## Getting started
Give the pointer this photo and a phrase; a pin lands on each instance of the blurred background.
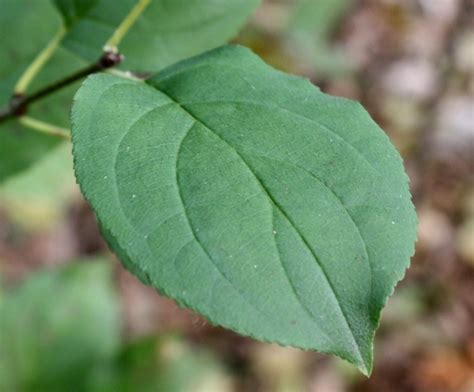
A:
(90, 325)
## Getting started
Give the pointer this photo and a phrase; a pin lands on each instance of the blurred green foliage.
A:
(311, 31)
(57, 326)
(60, 330)
(163, 363)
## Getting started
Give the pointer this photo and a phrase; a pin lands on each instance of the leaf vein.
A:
(193, 231)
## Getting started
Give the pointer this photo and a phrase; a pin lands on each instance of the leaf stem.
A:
(38, 63)
(125, 74)
(44, 127)
(125, 25)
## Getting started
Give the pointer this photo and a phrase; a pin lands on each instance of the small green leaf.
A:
(249, 196)
(166, 32)
(311, 36)
(57, 327)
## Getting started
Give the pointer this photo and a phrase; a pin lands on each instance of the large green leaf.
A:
(249, 196)
(166, 32)
(25, 28)
(57, 328)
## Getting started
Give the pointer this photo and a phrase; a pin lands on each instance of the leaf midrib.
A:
(193, 232)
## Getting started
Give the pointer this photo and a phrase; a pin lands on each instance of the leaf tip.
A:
(366, 365)
(365, 368)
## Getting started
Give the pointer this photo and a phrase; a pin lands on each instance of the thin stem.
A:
(38, 63)
(126, 24)
(93, 68)
(44, 127)
(19, 103)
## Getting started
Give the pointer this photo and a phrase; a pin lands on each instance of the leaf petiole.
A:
(124, 74)
(44, 127)
(125, 25)
(39, 62)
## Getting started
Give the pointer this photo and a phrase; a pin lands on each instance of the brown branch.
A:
(19, 104)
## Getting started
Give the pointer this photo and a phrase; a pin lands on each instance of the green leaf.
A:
(37, 21)
(319, 18)
(249, 196)
(58, 327)
(166, 32)
(311, 36)
(74, 10)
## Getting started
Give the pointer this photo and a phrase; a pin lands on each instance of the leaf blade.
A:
(252, 205)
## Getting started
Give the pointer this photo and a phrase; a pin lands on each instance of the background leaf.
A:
(57, 326)
(249, 196)
(311, 33)
(25, 28)
(167, 31)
